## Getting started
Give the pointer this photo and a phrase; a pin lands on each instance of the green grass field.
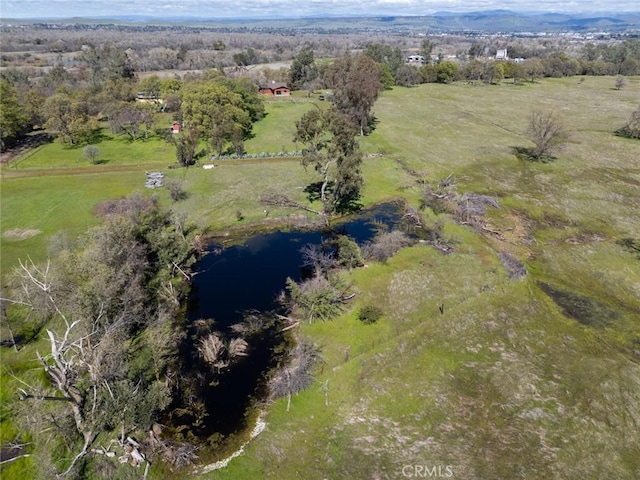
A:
(503, 384)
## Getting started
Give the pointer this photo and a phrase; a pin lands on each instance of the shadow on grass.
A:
(528, 155)
(96, 137)
(372, 124)
(584, 309)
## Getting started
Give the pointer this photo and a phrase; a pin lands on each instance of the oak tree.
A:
(221, 114)
(68, 118)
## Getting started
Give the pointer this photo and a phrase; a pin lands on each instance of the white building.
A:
(415, 60)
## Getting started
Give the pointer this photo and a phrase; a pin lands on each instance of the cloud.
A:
(291, 8)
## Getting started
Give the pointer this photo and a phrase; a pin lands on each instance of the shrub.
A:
(91, 153)
(386, 245)
(370, 314)
(349, 254)
(317, 298)
(632, 128)
(547, 133)
(176, 191)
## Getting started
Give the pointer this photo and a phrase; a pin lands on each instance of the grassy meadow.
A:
(531, 378)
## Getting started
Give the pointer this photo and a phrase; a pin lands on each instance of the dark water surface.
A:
(245, 277)
(249, 276)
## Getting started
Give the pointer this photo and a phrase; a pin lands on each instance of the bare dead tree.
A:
(297, 375)
(66, 356)
(318, 258)
(547, 133)
(280, 200)
(385, 245)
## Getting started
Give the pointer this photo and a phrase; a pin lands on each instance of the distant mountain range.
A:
(491, 21)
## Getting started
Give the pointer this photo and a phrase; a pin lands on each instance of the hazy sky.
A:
(292, 8)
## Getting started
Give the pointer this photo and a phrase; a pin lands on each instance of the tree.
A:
(348, 252)
(356, 84)
(33, 101)
(248, 57)
(533, 68)
(170, 86)
(493, 72)
(107, 62)
(297, 375)
(251, 100)
(407, 76)
(590, 52)
(99, 300)
(130, 118)
(186, 145)
(385, 54)
(447, 71)
(547, 133)
(91, 153)
(426, 49)
(330, 147)
(473, 71)
(476, 49)
(516, 71)
(152, 86)
(220, 114)
(68, 118)
(386, 78)
(317, 298)
(13, 121)
(303, 69)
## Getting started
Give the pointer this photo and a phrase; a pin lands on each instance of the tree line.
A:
(103, 80)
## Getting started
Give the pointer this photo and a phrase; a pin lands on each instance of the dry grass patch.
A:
(20, 233)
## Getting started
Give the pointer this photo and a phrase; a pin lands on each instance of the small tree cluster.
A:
(109, 304)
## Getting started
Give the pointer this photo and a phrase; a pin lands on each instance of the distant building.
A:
(414, 60)
(175, 128)
(501, 54)
(275, 89)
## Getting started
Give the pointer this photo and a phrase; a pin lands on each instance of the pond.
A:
(233, 280)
